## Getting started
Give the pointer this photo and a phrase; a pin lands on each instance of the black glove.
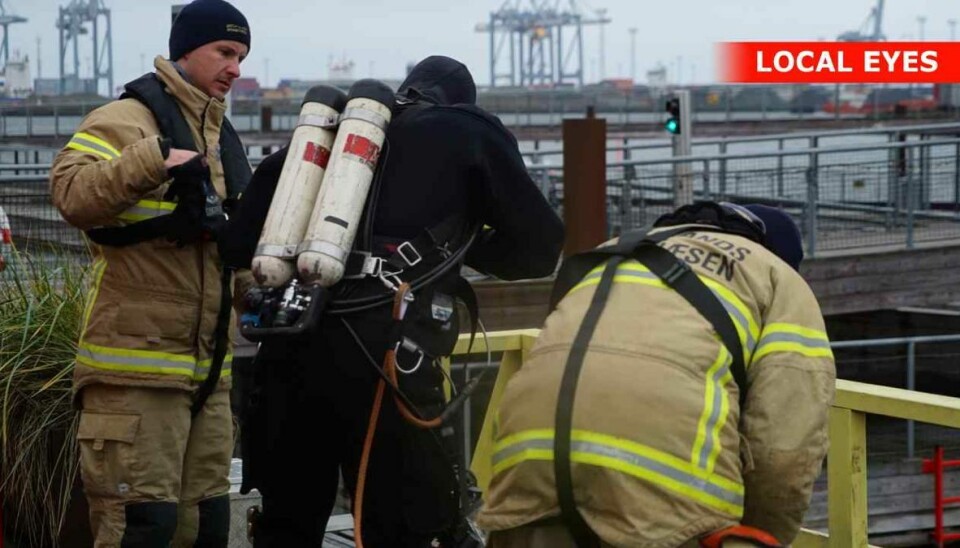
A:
(189, 187)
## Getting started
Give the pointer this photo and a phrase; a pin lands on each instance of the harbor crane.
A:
(6, 20)
(538, 42)
(870, 31)
(72, 23)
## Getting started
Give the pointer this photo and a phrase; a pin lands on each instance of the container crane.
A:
(5, 21)
(865, 33)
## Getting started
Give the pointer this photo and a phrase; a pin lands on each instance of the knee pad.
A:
(149, 524)
(214, 530)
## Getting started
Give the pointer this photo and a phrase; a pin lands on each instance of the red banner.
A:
(839, 62)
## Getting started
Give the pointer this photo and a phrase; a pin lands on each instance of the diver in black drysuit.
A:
(444, 158)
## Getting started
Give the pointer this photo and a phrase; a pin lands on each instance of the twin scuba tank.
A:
(320, 196)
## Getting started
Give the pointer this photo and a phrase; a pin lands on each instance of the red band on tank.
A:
(316, 154)
(363, 149)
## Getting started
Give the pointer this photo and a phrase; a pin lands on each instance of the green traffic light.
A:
(672, 125)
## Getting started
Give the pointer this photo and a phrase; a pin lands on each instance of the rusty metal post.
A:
(584, 182)
(266, 118)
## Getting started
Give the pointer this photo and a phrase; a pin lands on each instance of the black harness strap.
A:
(122, 236)
(582, 534)
(644, 248)
(220, 337)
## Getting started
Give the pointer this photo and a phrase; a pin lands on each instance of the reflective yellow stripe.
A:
(91, 150)
(633, 272)
(136, 361)
(147, 209)
(747, 327)
(85, 142)
(99, 267)
(630, 458)
(203, 368)
(716, 407)
(786, 337)
(97, 142)
(141, 354)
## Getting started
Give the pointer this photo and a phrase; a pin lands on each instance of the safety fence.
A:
(897, 191)
(548, 107)
(847, 460)
(843, 197)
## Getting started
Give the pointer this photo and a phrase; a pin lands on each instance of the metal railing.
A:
(521, 107)
(888, 194)
(846, 459)
(635, 148)
(891, 194)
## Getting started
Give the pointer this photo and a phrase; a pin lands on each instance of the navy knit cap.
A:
(203, 21)
(782, 235)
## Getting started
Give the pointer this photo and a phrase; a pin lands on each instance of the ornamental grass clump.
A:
(42, 300)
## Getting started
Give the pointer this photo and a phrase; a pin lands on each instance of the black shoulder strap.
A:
(577, 266)
(149, 90)
(644, 248)
(562, 446)
(140, 231)
(236, 168)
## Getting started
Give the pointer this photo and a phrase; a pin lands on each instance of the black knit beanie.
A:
(783, 236)
(203, 21)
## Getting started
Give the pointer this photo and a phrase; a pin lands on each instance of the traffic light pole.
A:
(682, 172)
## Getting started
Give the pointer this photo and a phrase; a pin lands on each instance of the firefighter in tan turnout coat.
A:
(155, 472)
(661, 451)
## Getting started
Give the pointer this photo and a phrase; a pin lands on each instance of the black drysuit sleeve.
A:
(243, 230)
(524, 237)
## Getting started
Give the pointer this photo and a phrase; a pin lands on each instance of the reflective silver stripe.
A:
(718, 394)
(632, 459)
(365, 115)
(95, 146)
(795, 338)
(204, 370)
(625, 272)
(323, 247)
(131, 362)
(324, 122)
(740, 319)
(274, 250)
(732, 310)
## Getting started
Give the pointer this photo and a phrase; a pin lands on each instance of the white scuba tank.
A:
(336, 214)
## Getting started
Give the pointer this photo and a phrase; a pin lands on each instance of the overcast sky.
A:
(298, 38)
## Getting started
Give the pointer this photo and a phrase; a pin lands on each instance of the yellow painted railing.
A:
(846, 460)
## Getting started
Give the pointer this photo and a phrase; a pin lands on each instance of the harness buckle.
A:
(411, 347)
(372, 266)
(414, 255)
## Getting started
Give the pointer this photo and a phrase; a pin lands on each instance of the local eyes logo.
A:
(236, 28)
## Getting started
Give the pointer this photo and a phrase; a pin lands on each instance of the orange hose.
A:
(364, 461)
(390, 369)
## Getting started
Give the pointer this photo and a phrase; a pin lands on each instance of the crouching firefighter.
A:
(360, 393)
(677, 395)
(149, 178)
